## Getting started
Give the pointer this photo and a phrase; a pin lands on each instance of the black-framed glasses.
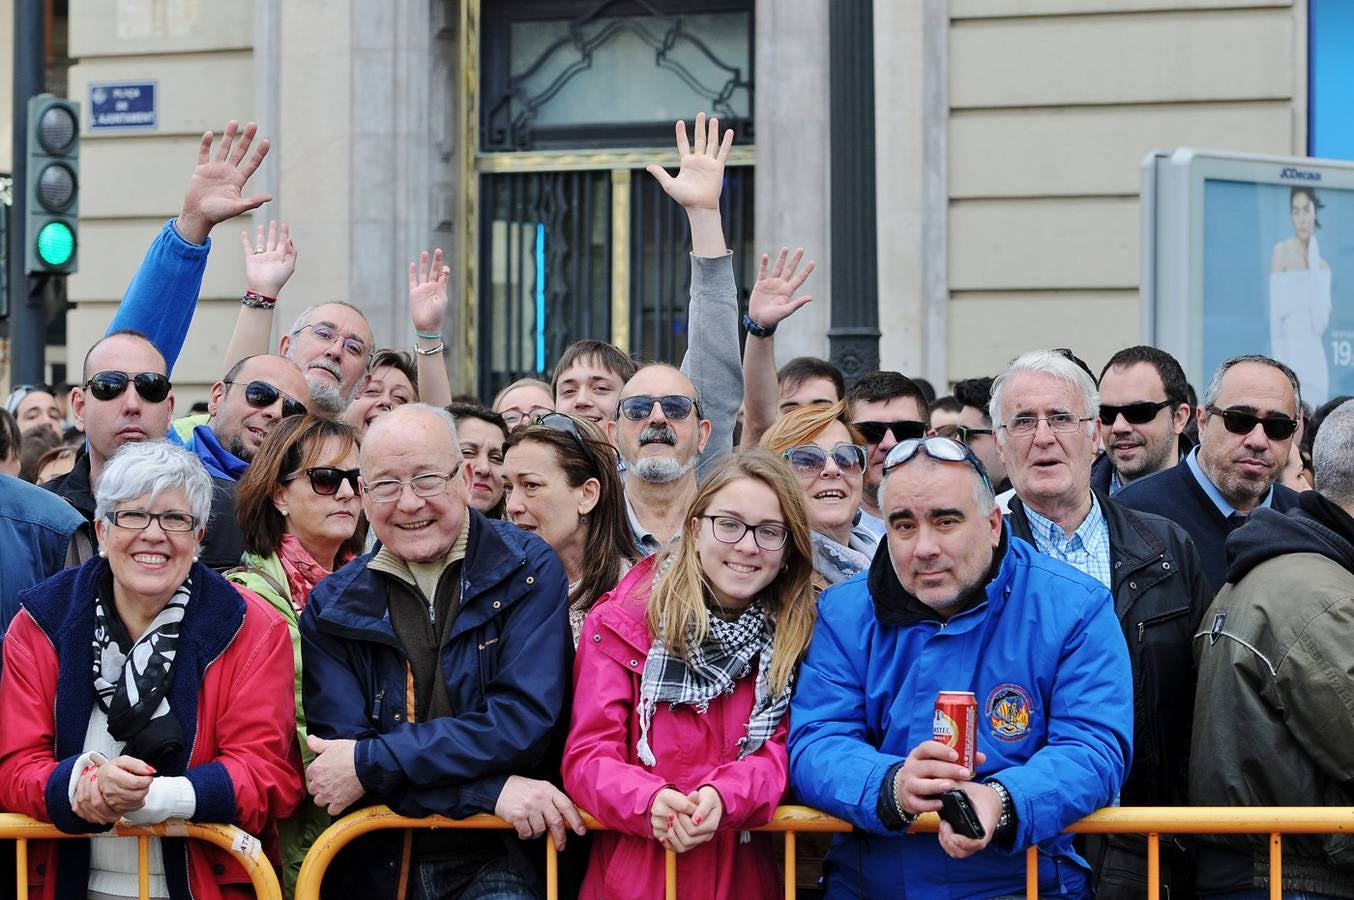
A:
(674, 406)
(1237, 421)
(962, 433)
(151, 386)
(329, 333)
(939, 448)
(513, 417)
(1134, 413)
(425, 484)
(903, 430)
(1060, 423)
(810, 459)
(728, 530)
(140, 519)
(325, 480)
(261, 395)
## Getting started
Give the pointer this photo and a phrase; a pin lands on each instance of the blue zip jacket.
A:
(507, 664)
(1046, 660)
(162, 297)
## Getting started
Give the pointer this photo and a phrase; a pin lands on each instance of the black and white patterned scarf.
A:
(726, 654)
(132, 679)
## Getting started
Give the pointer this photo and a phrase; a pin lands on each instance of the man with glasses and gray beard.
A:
(659, 433)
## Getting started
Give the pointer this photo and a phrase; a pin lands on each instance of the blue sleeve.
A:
(162, 297)
(1089, 745)
(833, 765)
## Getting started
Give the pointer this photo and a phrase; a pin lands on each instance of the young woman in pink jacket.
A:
(682, 687)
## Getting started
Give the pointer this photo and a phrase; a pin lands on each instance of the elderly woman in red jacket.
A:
(682, 682)
(142, 687)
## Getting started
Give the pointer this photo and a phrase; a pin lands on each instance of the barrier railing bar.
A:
(1275, 866)
(1031, 872)
(143, 867)
(21, 868)
(670, 875)
(790, 872)
(1153, 866)
(551, 870)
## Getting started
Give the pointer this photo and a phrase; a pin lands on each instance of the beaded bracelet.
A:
(431, 350)
(255, 300)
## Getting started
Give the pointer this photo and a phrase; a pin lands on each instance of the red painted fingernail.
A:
(696, 820)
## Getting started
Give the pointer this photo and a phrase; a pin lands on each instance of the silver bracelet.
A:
(1005, 797)
(438, 348)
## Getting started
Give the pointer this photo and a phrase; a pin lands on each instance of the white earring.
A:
(103, 554)
(283, 511)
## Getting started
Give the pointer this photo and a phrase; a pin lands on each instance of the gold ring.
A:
(258, 250)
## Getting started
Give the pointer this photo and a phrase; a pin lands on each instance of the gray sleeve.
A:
(713, 358)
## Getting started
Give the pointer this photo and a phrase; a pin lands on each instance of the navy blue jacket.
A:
(507, 662)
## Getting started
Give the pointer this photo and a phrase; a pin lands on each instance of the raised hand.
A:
(215, 189)
(700, 179)
(428, 292)
(269, 260)
(773, 297)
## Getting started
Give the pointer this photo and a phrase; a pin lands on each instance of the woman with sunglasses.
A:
(562, 484)
(825, 453)
(682, 680)
(482, 433)
(298, 508)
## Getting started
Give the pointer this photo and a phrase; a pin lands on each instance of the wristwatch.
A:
(755, 328)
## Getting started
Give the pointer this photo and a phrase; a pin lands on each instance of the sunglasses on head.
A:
(674, 406)
(565, 423)
(261, 395)
(151, 386)
(810, 459)
(903, 430)
(1277, 428)
(325, 480)
(961, 433)
(1133, 413)
(939, 448)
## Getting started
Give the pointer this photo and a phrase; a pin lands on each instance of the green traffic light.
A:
(56, 244)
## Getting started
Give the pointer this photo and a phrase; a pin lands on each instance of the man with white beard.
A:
(659, 432)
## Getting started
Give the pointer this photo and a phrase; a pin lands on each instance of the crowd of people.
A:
(672, 596)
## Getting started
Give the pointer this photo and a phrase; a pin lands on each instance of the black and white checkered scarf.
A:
(132, 679)
(727, 654)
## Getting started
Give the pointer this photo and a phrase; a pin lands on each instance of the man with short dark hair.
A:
(1144, 408)
(1246, 426)
(885, 407)
(1275, 725)
(975, 428)
(588, 378)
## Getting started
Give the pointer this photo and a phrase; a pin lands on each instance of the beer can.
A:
(956, 724)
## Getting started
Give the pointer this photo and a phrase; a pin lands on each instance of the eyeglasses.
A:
(903, 430)
(427, 484)
(939, 448)
(139, 520)
(674, 406)
(1061, 423)
(261, 395)
(325, 480)
(151, 386)
(329, 333)
(513, 417)
(1277, 428)
(565, 423)
(961, 433)
(728, 530)
(810, 459)
(1133, 413)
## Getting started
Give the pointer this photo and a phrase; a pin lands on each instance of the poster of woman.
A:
(1300, 298)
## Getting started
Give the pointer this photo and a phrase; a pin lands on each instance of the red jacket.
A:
(603, 774)
(231, 691)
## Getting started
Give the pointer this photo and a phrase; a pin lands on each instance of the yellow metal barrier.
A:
(238, 843)
(789, 820)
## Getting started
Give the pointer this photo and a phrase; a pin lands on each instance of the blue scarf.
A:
(219, 462)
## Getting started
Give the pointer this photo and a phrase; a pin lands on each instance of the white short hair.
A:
(153, 467)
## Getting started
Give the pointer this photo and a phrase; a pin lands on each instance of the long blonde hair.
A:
(678, 610)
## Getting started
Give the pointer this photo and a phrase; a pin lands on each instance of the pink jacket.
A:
(603, 774)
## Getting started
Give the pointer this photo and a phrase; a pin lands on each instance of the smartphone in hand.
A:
(956, 809)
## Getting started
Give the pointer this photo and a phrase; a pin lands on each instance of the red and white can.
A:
(956, 724)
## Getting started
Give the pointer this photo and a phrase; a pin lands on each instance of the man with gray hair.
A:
(1246, 426)
(1275, 656)
(1044, 409)
(437, 672)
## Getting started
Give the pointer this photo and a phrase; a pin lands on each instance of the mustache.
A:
(328, 365)
(658, 434)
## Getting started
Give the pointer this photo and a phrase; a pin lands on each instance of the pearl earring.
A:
(284, 512)
(583, 519)
(103, 554)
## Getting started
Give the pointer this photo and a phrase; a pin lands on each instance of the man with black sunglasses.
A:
(1246, 426)
(886, 408)
(1144, 410)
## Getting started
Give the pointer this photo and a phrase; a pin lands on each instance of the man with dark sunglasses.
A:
(886, 408)
(1246, 426)
(975, 395)
(1144, 410)
(659, 433)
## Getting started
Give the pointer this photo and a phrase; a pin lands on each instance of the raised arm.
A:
(163, 295)
(428, 307)
(773, 301)
(269, 261)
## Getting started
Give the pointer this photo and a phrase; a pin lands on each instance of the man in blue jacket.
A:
(437, 672)
(957, 604)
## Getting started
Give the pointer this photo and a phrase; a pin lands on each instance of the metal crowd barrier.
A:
(789, 820)
(238, 843)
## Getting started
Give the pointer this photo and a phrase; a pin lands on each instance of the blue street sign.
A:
(122, 105)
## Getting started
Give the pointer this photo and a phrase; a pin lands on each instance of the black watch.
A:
(755, 328)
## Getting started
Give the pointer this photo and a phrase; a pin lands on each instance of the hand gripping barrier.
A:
(240, 844)
(789, 820)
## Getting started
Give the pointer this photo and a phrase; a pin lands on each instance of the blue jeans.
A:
(506, 877)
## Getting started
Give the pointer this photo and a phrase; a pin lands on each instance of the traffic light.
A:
(53, 185)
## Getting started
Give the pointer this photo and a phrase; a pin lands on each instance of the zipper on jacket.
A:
(376, 705)
(1159, 618)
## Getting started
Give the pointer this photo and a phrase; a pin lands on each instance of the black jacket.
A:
(1159, 597)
